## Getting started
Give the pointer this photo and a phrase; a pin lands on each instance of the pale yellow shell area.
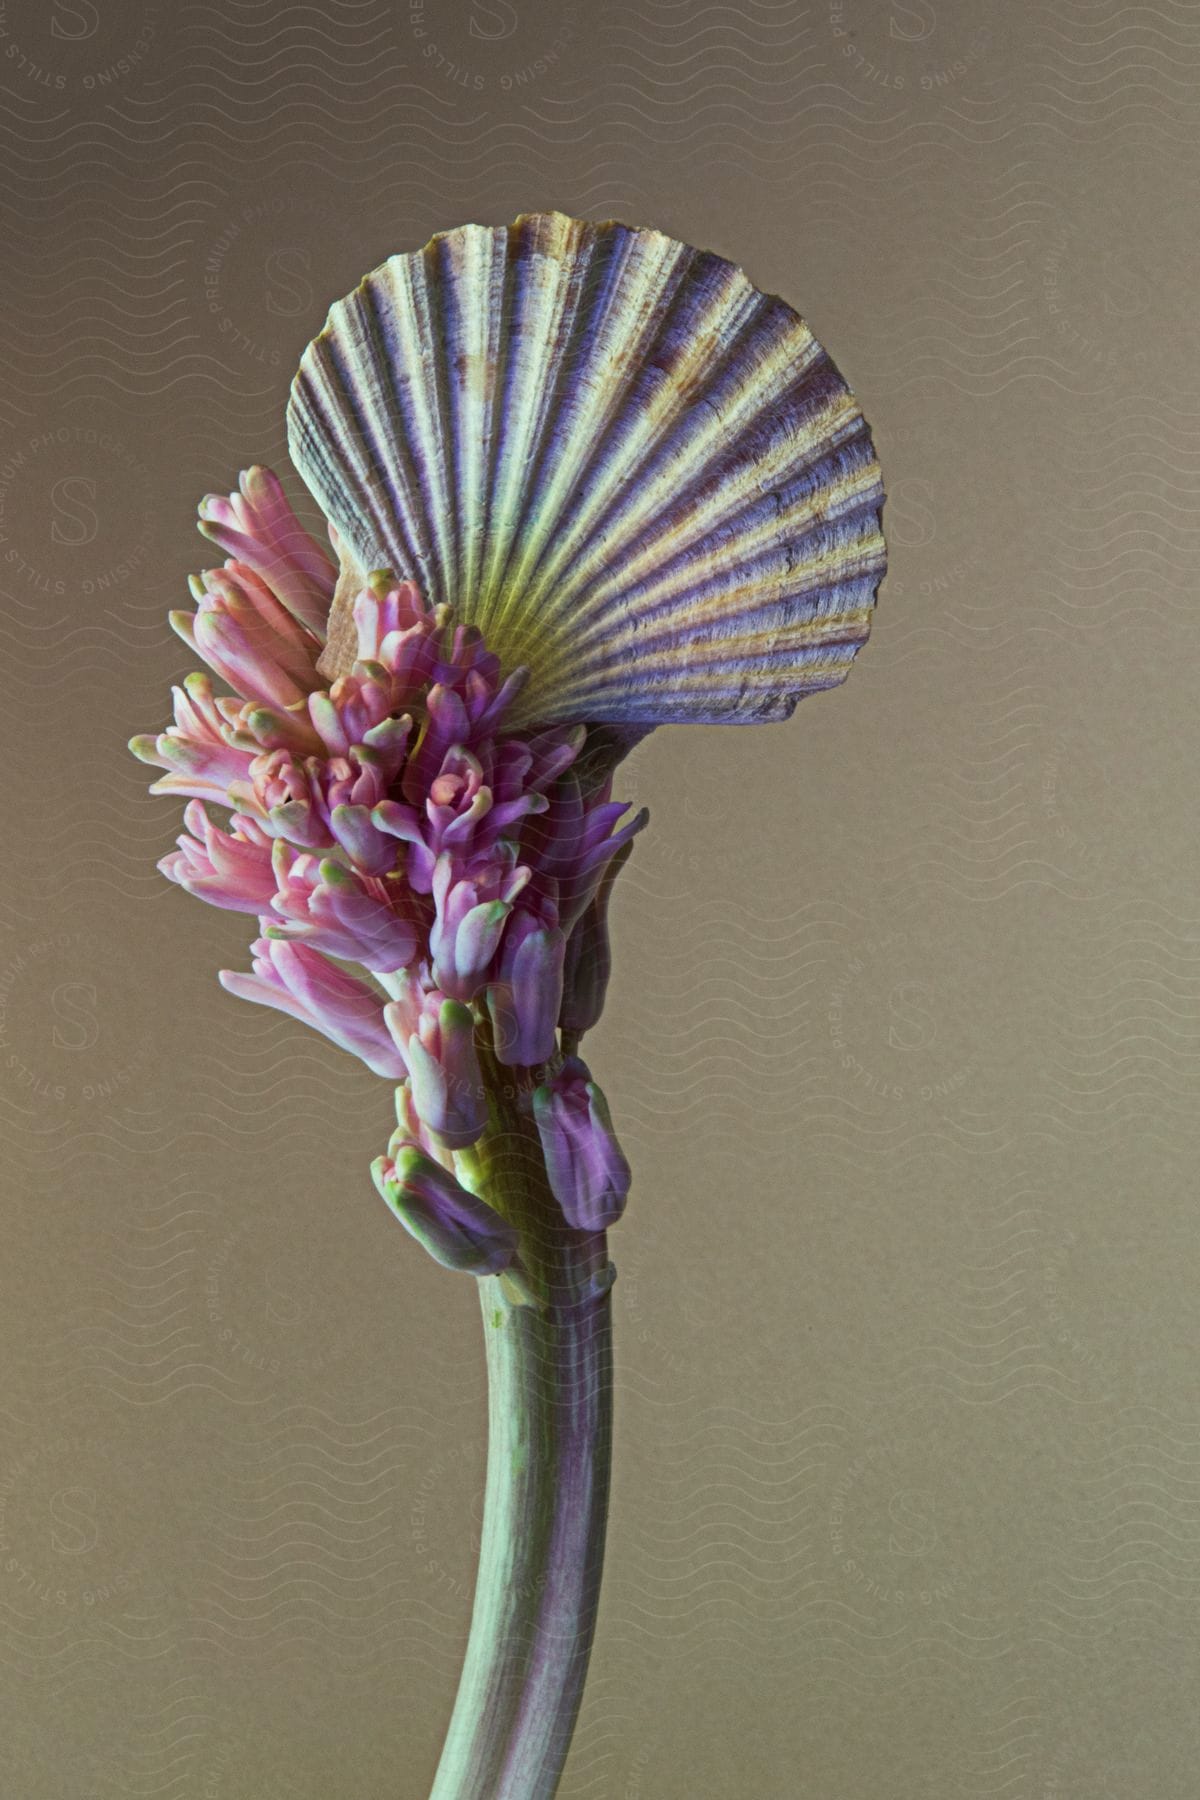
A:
(634, 471)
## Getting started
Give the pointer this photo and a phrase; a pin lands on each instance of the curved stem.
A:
(546, 1503)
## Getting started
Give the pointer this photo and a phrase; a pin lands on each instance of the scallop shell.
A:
(636, 473)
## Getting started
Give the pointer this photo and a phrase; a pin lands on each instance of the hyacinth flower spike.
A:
(581, 481)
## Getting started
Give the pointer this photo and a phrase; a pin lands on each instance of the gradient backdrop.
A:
(904, 1033)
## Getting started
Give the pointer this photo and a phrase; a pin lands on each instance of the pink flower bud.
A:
(257, 526)
(195, 749)
(298, 980)
(248, 638)
(228, 869)
(436, 1037)
(394, 613)
(285, 794)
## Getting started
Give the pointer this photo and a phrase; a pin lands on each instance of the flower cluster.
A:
(388, 821)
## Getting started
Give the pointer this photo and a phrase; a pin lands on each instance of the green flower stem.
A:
(549, 1452)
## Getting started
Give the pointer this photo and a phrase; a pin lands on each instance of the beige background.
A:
(904, 1035)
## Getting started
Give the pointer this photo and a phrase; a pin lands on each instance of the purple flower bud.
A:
(334, 909)
(588, 960)
(571, 843)
(459, 1230)
(367, 847)
(446, 723)
(553, 750)
(405, 823)
(472, 905)
(354, 784)
(588, 1174)
(524, 1000)
(487, 708)
(458, 798)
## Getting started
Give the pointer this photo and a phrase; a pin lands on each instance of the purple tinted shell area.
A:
(638, 474)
